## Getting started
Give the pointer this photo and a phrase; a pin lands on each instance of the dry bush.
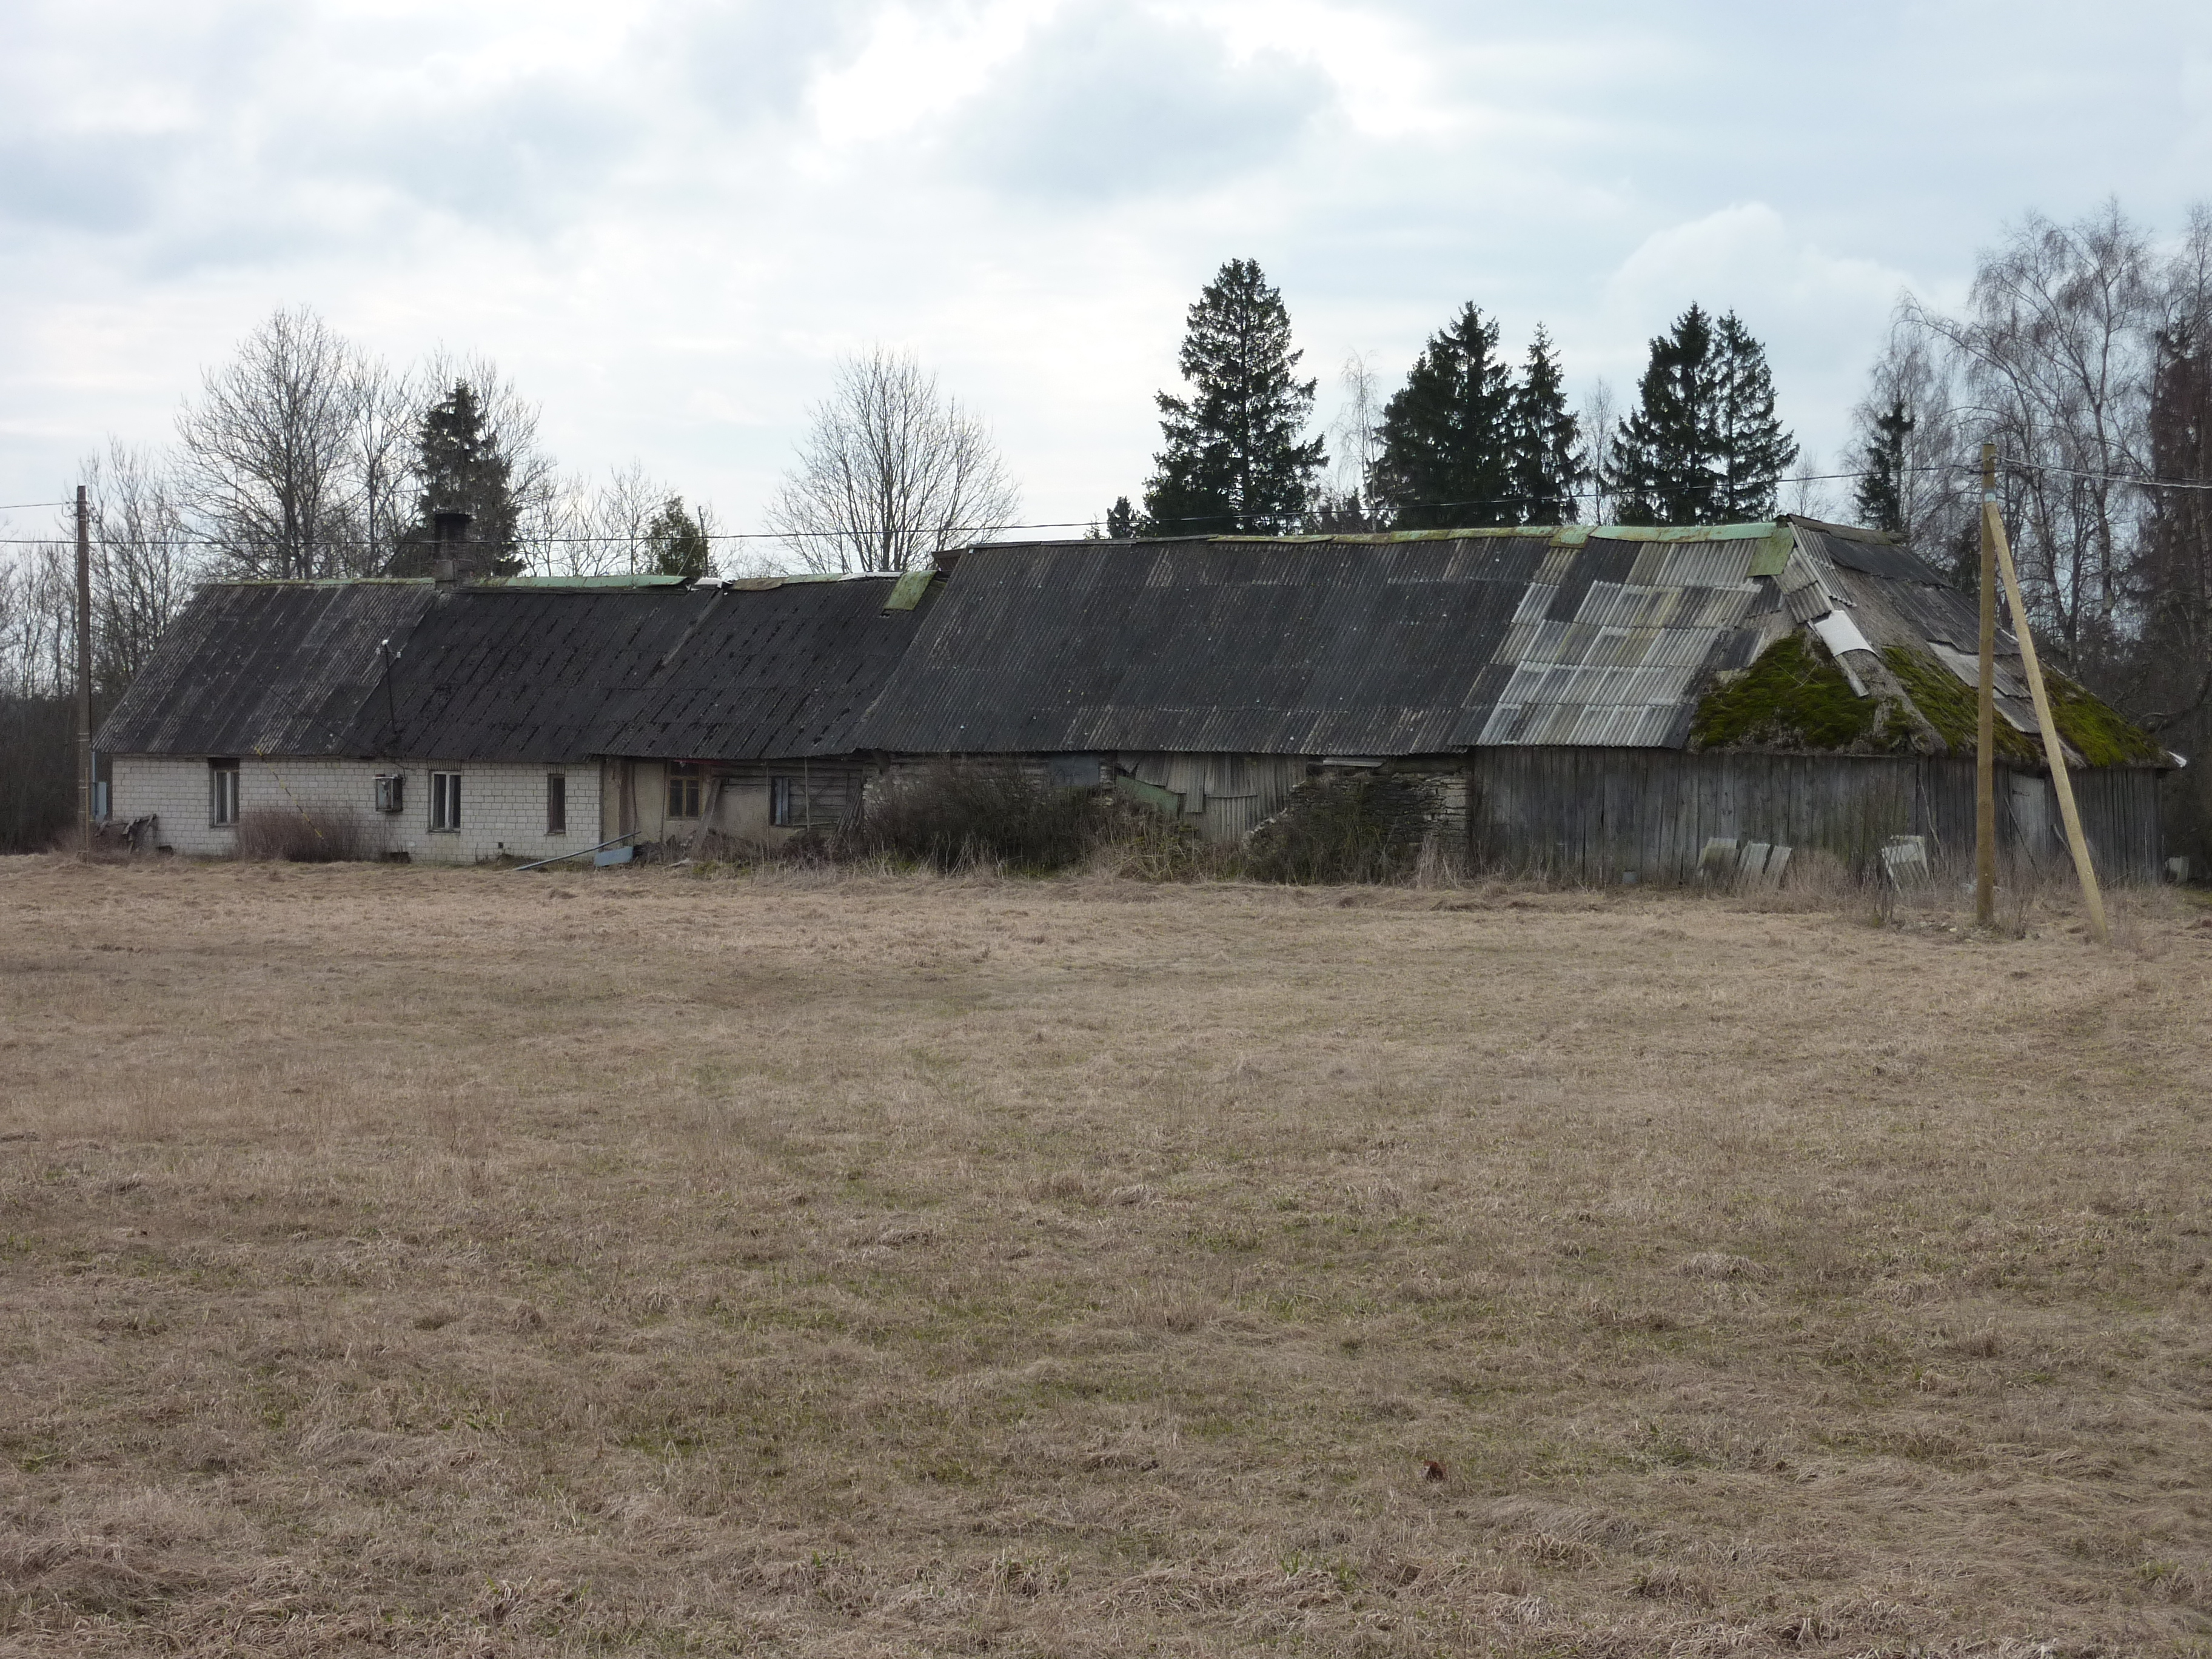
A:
(295, 835)
(955, 814)
(1361, 827)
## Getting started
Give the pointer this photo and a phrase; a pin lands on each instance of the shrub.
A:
(1366, 827)
(297, 836)
(1139, 843)
(955, 814)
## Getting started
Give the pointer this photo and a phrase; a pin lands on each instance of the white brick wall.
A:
(502, 805)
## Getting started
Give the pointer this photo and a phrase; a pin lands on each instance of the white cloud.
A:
(665, 220)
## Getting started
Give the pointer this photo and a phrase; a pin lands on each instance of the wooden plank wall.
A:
(1595, 814)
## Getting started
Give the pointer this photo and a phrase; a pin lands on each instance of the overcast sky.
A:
(666, 221)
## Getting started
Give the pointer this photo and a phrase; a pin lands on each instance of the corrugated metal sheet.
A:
(265, 668)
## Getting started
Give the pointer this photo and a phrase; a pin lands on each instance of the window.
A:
(683, 790)
(779, 803)
(391, 792)
(557, 804)
(222, 793)
(445, 800)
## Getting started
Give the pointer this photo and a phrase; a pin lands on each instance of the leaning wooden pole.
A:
(1985, 714)
(2054, 752)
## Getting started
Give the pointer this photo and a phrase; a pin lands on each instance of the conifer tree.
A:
(1665, 452)
(1703, 445)
(1233, 460)
(678, 541)
(1755, 449)
(462, 469)
(1446, 455)
(1879, 502)
(1547, 456)
(1120, 521)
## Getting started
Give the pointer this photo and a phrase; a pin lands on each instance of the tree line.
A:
(1466, 441)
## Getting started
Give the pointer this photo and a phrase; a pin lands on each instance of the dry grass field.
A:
(474, 1262)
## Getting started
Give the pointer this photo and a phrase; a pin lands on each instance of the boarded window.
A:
(223, 792)
(557, 804)
(683, 790)
(445, 800)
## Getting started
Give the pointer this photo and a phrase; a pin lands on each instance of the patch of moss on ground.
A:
(1948, 704)
(1793, 697)
(2103, 735)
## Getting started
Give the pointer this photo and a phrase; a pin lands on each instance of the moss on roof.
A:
(1793, 697)
(1947, 703)
(2096, 731)
(2100, 733)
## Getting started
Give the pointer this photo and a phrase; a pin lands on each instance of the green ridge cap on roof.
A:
(1564, 535)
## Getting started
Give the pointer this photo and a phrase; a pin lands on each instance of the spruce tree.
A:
(678, 541)
(1666, 452)
(461, 470)
(1544, 437)
(1703, 445)
(1755, 449)
(1446, 439)
(1880, 499)
(1120, 521)
(1233, 460)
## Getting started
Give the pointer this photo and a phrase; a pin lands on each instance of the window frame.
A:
(779, 795)
(556, 803)
(445, 802)
(224, 793)
(685, 781)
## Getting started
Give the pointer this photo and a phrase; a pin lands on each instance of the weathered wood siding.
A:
(1594, 814)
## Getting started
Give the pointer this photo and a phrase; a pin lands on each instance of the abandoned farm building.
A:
(1592, 701)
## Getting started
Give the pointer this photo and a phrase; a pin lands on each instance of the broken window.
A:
(222, 793)
(683, 789)
(445, 800)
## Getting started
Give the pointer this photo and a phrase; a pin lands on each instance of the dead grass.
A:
(473, 1262)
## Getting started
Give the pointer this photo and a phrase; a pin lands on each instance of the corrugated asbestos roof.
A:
(1361, 646)
(265, 668)
(514, 672)
(1418, 643)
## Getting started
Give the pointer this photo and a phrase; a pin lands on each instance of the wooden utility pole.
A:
(83, 671)
(2053, 751)
(1985, 713)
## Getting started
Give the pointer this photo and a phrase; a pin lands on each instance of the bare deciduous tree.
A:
(145, 564)
(267, 450)
(2051, 355)
(890, 471)
(1601, 424)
